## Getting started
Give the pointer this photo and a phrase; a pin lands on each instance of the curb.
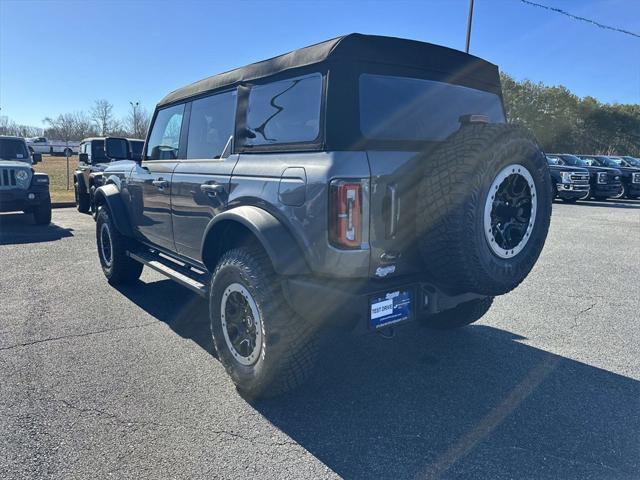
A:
(63, 204)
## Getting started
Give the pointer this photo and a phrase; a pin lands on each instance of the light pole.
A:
(134, 117)
(469, 19)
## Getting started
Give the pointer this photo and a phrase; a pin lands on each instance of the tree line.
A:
(566, 123)
(562, 121)
(99, 121)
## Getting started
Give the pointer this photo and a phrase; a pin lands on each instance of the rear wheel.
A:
(460, 316)
(116, 265)
(485, 206)
(42, 213)
(264, 346)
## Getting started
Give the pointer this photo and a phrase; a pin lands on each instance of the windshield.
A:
(617, 160)
(634, 162)
(553, 160)
(412, 109)
(11, 149)
(574, 161)
(607, 162)
(97, 151)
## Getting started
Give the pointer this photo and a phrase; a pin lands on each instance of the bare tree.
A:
(102, 115)
(9, 127)
(70, 126)
(137, 121)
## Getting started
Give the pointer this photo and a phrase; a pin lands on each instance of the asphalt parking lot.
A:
(98, 382)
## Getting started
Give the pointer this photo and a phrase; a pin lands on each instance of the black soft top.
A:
(354, 47)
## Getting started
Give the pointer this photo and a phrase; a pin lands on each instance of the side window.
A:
(211, 124)
(164, 141)
(287, 111)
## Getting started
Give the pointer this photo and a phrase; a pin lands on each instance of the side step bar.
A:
(181, 273)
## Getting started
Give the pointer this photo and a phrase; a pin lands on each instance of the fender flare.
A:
(285, 253)
(109, 196)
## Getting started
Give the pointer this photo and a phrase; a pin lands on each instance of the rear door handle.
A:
(160, 184)
(212, 188)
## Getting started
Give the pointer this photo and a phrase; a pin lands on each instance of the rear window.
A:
(13, 150)
(287, 111)
(413, 109)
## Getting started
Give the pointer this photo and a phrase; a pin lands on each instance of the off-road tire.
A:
(460, 316)
(451, 204)
(121, 269)
(288, 346)
(83, 200)
(42, 212)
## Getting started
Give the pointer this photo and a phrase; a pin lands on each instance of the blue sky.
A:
(60, 56)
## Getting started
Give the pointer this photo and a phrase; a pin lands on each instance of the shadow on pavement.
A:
(473, 403)
(19, 228)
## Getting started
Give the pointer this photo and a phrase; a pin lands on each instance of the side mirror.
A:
(83, 158)
(116, 148)
(36, 158)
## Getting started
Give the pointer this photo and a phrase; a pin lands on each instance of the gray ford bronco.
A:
(21, 188)
(361, 183)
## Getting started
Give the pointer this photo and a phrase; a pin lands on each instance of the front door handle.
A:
(160, 184)
(212, 188)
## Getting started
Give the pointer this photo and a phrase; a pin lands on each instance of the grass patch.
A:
(56, 168)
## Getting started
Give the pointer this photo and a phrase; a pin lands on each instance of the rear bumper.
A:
(345, 303)
(18, 199)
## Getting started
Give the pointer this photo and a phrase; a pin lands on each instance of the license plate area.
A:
(390, 308)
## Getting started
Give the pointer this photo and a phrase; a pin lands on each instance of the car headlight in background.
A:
(22, 176)
(602, 177)
(566, 177)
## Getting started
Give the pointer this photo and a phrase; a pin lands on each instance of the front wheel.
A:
(460, 316)
(621, 193)
(116, 265)
(42, 213)
(264, 346)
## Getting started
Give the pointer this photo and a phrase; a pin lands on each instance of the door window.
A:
(164, 141)
(211, 124)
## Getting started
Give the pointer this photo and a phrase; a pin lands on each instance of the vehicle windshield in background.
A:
(618, 161)
(575, 161)
(97, 151)
(13, 150)
(412, 109)
(607, 162)
(553, 160)
(632, 162)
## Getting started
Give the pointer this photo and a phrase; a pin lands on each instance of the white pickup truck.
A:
(52, 147)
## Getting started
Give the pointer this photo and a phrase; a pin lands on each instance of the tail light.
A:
(345, 213)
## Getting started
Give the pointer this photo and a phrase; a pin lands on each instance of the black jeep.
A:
(21, 188)
(569, 183)
(361, 182)
(604, 182)
(91, 163)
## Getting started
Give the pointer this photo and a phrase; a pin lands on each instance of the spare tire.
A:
(484, 205)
